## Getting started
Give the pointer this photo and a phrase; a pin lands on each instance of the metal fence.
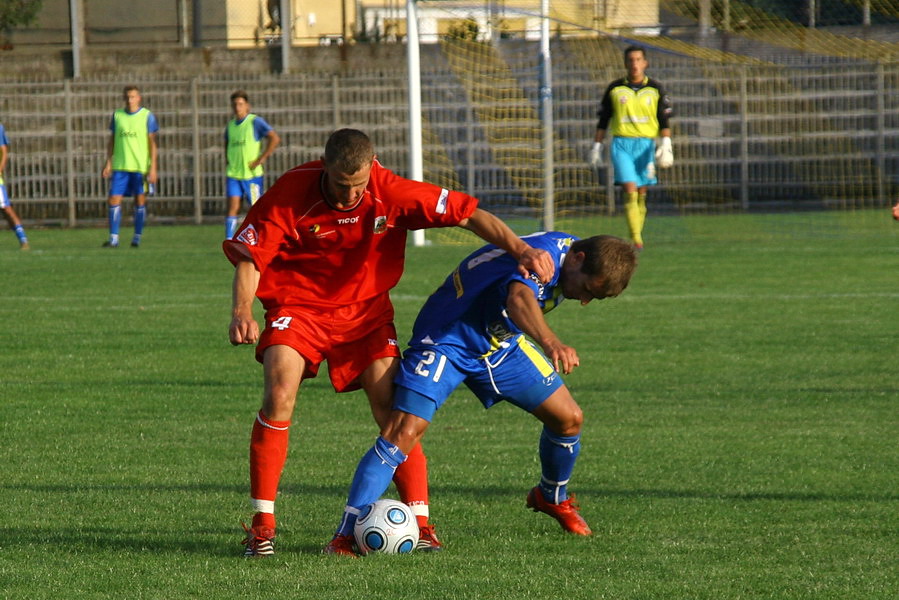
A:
(746, 137)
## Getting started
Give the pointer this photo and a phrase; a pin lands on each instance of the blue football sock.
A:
(115, 221)
(20, 233)
(140, 215)
(230, 227)
(558, 454)
(370, 481)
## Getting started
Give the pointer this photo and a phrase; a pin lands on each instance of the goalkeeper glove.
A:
(664, 155)
(596, 155)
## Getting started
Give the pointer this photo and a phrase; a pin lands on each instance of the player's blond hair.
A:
(348, 150)
(609, 257)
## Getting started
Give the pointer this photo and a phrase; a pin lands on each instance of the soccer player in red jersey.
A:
(321, 250)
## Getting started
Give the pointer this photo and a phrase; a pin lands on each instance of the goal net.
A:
(771, 114)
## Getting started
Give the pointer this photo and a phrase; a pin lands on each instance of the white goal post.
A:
(416, 165)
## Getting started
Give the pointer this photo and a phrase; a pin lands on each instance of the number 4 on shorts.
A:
(281, 323)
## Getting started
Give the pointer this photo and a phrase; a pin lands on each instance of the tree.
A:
(18, 13)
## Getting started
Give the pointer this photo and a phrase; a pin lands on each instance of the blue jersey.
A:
(3, 139)
(469, 309)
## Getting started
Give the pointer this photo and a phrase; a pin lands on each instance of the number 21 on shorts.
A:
(429, 357)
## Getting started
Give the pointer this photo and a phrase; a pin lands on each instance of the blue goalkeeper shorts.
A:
(520, 374)
(634, 160)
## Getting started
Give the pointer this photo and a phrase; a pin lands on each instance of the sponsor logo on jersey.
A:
(380, 224)
(563, 243)
(314, 228)
(392, 342)
(348, 221)
(441, 201)
(249, 236)
(500, 333)
(540, 287)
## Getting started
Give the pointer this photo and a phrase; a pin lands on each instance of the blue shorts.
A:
(521, 375)
(634, 160)
(4, 197)
(248, 190)
(127, 183)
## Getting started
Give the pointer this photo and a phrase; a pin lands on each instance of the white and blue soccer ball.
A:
(386, 526)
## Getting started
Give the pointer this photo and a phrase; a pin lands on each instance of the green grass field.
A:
(742, 420)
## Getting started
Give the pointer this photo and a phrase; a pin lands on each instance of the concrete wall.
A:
(31, 63)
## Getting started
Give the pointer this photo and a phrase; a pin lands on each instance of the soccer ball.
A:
(386, 526)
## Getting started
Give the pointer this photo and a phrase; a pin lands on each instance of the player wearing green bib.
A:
(637, 110)
(244, 155)
(131, 155)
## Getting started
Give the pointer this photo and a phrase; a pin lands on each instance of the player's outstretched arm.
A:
(525, 312)
(491, 229)
(244, 329)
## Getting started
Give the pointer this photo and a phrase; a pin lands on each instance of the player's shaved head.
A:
(348, 151)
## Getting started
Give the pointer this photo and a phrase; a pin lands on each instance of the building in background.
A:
(258, 23)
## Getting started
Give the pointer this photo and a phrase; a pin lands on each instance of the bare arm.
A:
(491, 229)
(526, 313)
(110, 146)
(244, 329)
(273, 141)
(154, 153)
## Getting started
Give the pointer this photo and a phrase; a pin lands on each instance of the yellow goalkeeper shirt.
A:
(634, 109)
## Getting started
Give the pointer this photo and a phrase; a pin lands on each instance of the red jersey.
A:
(310, 253)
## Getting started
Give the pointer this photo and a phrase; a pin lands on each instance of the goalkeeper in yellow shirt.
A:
(637, 110)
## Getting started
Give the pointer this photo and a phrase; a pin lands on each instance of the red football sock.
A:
(411, 480)
(264, 520)
(268, 452)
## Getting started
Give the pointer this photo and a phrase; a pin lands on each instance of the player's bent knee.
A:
(279, 400)
(405, 430)
(561, 414)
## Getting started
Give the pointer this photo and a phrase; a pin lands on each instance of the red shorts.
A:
(350, 338)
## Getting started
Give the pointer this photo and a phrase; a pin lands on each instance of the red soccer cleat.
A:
(427, 540)
(258, 542)
(341, 545)
(566, 513)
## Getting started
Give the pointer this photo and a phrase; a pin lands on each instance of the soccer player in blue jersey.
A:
(131, 155)
(637, 110)
(472, 330)
(11, 217)
(245, 156)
